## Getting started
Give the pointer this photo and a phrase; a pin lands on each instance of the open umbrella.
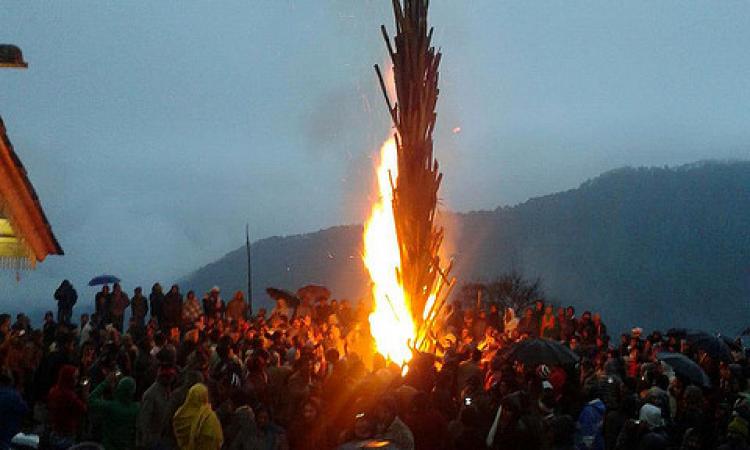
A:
(534, 352)
(686, 368)
(714, 346)
(314, 292)
(104, 279)
(731, 343)
(276, 294)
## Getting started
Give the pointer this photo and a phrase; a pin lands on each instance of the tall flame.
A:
(391, 323)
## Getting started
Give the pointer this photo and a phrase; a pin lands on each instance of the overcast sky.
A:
(153, 131)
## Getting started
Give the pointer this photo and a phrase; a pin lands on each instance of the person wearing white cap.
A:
(655, 437)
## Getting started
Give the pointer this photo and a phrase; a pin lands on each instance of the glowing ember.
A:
(391, 323)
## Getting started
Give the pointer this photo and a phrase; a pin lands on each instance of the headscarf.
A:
(195, 420)
(125, 390)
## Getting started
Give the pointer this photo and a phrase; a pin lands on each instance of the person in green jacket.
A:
(119, 415)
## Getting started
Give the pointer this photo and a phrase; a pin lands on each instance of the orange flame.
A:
(391, 324)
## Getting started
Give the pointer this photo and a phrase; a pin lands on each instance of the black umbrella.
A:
(534, 352)
(714, 346)
(314, 292)
(686, 368)
(277, 294)
(731, 343)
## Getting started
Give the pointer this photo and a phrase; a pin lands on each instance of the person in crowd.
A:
(154, 418)
(102, 304)
(309, 429)
(213, 305)
(510, 321)
(549, 327)
(191, 310)
(237, 308)
(156, 299)
(288, 380)
(118, 411)
(390, 427)
(66, 296)
(172, 309)
(119, 302)
(529, 324)
(66, 404)
(139, 307)
(13, 409)
(195, 424)
(590, 427)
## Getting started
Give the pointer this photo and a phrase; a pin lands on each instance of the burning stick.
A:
(415, 191)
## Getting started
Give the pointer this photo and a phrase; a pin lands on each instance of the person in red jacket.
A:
(66, 407)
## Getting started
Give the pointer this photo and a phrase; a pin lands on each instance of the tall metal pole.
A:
(249, 272)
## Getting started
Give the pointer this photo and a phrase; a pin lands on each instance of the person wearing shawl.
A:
(119, 415)
(195, 425)
(236, 308)
(172, 308)
(66, 407)
(510, 321)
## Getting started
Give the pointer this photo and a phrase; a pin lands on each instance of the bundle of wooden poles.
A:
(415, 191)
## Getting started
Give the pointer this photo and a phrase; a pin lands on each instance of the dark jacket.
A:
(172, 310)
(12, 410)
(65, 295)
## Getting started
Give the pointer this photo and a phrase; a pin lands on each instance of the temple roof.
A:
(26, 236)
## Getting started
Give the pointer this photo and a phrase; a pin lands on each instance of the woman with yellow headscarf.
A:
(196, 426)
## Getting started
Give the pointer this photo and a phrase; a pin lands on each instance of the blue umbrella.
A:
(104, 279)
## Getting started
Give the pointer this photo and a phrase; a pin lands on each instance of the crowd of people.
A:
(185, 373)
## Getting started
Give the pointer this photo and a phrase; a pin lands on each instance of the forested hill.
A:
(653, 247)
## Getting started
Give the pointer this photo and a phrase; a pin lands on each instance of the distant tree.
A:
(510, 290)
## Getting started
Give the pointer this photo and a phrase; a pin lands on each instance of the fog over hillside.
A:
(653, 247)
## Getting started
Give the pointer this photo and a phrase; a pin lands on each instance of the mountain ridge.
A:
(632, 240)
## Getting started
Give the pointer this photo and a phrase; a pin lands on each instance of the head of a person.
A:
(539, 305)
(175, 289)
(197, 395)
(116, 288)
(156, 288)
(138, 291)
(737, 430)
(692, 440)
(105, 289)
(311, 410)
(262, 417)
(364, 426)
(586, 316)
(214, 293)
(512, 407)
(386, 410)
(49, 317)
(651, 416)
(597, 318)
(549, 310)
(125, 390)
(528, 313)
(166, 374)
(67, 377)
(570, 312)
